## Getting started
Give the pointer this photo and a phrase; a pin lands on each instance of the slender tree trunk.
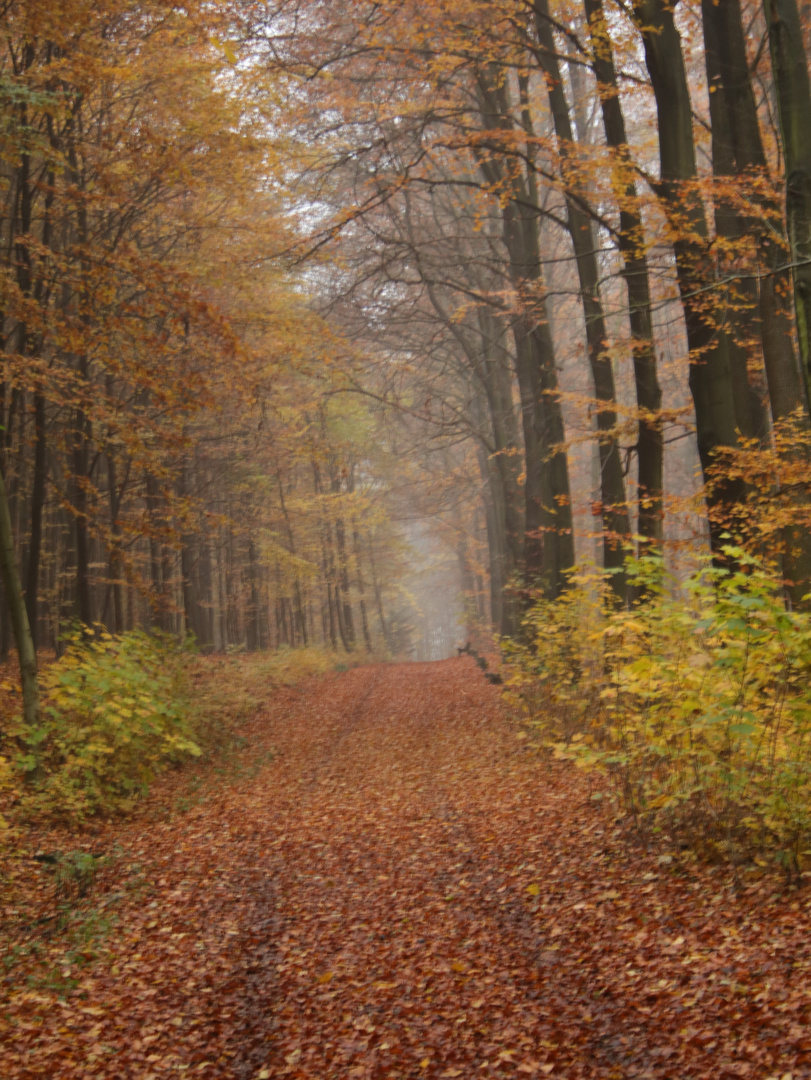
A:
(252, 621)
(549, 537)
(37, 507)
(790, 67)
(384, 627)
(223, 595)
(650, 440)
(205, 597)
(188, 559)
(343, 564)
(493, 497)
(292, 548)
(81, 482)
(364, 619)
(614, 509)
(346, 623)
(12, 588)
(114, 498)
(158, 601)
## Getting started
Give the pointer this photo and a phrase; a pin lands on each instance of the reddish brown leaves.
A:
(408, 891)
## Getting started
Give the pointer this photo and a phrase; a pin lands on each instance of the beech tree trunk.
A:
(37, 508)
(614, 509)
(737, 314)
(12, 588)
(710, 375)
(790, 67)
(549, 537)
(650, 441)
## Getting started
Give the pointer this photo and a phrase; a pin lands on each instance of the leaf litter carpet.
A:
(409, 890)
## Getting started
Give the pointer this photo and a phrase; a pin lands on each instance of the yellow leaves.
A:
(227, 50)
(534, 889)
(696, 707)
(114, 714)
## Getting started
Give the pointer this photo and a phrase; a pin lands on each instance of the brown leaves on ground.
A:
(406, 890)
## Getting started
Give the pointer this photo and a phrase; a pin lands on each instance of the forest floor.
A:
(390, 881)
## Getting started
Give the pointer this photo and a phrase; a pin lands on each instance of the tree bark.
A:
(614, 508)
(650, 440)
(12, 587)
(549, 536)
(794, 105)
(710, 376)
(737, 313)
(735, 112)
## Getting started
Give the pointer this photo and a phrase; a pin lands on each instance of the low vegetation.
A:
(115, 713)
(119, 710)
(696, 702)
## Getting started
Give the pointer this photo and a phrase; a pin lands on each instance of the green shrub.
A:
(696, 701)
(114, 714)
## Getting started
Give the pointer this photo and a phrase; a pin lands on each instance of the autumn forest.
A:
(405, 538)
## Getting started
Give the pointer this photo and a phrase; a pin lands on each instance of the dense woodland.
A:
(276, 275)
(282, 280)
(341, 333)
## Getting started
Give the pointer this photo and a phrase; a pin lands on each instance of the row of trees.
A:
(552, 220)
(172, 454)
(561, 256)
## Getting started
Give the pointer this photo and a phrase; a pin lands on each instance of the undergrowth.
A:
(117, 711)
(230, 689)
(114, 714)
(696, 702)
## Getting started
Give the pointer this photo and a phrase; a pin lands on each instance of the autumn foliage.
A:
(342, 334)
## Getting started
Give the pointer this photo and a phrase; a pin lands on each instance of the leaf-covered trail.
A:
(409, 891)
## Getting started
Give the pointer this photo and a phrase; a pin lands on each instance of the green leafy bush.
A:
(696, 701)
(114, 714)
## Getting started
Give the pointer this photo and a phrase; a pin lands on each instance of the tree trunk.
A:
(786, 390)
(710, 376)
(12, 587)
(188, 559)
(292, 548)
(549, 537)
(81, 481)
(650, 441)
(794, 103)
(737, 312)
(493, 497)
(364, 618)
(384, 626)
(252, 622)
(614, 508)
(37, 507)
(114, 498)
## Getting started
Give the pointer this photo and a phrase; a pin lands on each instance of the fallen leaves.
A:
(359, 908)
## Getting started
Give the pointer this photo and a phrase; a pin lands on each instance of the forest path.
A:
(408, 890)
